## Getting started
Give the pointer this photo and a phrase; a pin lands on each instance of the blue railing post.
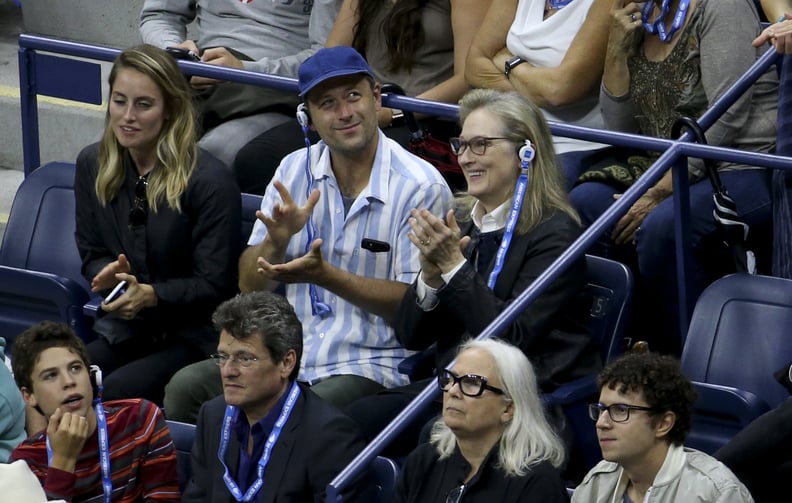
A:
(28, 101)
(682, 239)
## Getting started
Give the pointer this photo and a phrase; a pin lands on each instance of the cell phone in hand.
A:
(179, 53)
(119, 289)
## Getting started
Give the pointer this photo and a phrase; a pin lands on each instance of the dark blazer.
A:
(190, 258)
(552, 331)
(316, 443)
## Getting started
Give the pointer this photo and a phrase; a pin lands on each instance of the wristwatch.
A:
(511, 63)
(397, 118)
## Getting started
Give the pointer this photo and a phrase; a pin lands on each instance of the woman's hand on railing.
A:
(779, 34)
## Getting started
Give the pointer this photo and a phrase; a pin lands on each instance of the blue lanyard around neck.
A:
(511, 223)
(104, 450)
(658, 25)
(230, 418)
(558, 4)
(318, 308)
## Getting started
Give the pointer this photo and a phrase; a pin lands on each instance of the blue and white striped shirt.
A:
(351, 340)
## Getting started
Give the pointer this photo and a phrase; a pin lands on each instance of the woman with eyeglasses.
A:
(156, 212)
(510, 225)
(493, 442)
(476, 260)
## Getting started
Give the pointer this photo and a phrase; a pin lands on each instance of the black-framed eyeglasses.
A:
(469, 384)
(618, 412)
(241, 360)
(455, 494)
(138, 215)
(478, 144)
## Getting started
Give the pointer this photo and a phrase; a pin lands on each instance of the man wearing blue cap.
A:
(332, 232)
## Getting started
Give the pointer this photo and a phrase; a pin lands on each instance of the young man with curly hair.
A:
(643, 417)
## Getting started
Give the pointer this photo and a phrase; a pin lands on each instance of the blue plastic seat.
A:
(738, 336)
(384, 472)
(610, 285)
(250, 203)
(40, 275)
(183, 435)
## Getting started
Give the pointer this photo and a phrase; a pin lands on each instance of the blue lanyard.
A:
(511, 223)
(104, 450)
(318, 308)
(231, 415)
(558, 4)
(658, 25)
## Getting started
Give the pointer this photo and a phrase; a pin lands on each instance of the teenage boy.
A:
(118, 451)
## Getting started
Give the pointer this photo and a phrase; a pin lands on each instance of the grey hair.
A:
(528, 438)
(266, 315)
(522, 119)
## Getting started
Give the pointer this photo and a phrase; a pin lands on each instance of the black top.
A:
(190, 258)
(425, 478)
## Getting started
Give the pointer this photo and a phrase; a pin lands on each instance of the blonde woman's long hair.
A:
(177, 150)
(522, 119)
(528, 438)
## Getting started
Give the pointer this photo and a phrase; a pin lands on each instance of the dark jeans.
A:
(137, 368)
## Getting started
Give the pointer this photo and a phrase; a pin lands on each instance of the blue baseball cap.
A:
(328, 63)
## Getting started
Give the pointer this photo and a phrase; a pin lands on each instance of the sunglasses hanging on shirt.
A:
(138, 215)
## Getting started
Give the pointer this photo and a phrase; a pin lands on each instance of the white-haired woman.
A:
(493, 442)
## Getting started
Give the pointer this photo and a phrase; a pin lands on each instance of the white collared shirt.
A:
(485, 222)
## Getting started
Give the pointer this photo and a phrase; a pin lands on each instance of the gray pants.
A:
(225, 140)
(194, 384)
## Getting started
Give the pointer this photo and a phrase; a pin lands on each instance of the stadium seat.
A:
(384, 472)
(610, 286)
(40, 275)
(182, 435)
(738, 336)
(250, 203)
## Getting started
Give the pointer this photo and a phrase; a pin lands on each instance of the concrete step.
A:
(64, 128)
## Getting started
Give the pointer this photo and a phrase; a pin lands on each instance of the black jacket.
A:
(190, 258)
(426, 478)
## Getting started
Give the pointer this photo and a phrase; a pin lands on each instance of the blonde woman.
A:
(159, 215)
